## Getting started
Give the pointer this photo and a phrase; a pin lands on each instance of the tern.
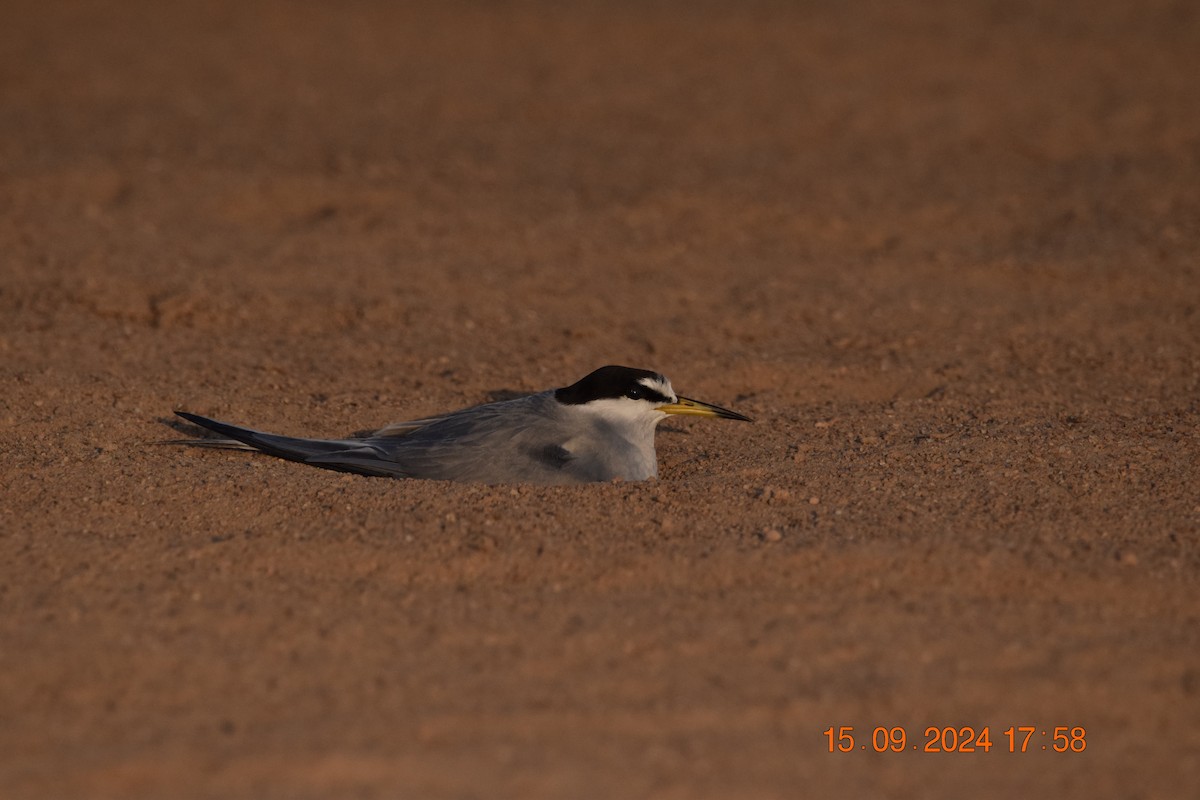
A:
(600, 428)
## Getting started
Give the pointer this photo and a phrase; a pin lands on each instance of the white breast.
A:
(614, 439)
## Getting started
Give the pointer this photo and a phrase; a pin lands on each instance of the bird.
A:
(600, 428)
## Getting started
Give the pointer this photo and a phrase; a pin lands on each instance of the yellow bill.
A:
(685, 406)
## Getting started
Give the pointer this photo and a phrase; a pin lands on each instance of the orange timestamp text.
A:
(961, 739)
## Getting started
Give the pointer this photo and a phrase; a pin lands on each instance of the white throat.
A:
(632, 419)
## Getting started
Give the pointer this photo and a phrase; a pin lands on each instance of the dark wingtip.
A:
(217, 426)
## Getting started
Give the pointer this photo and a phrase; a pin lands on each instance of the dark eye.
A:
(636, 393)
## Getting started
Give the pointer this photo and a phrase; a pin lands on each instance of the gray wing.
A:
(306, 451)
(404, 428)
(515, 441)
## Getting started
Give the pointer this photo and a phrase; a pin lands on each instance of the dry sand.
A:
(946, 255)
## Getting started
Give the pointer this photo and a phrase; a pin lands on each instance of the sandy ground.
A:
(944, 253)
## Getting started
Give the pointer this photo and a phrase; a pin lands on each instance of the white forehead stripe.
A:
(660, 385)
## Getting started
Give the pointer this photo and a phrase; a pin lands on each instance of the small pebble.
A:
(772, 535)
(774, 494)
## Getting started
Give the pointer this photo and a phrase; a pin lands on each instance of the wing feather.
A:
(520, 440)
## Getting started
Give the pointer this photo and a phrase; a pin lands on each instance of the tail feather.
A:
(288, 447)
(212, 444)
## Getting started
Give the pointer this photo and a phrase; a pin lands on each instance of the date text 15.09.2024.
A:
(964, 739)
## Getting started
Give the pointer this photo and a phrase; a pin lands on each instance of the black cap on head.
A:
(612, 382)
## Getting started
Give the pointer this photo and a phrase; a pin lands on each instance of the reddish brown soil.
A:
(945, 253)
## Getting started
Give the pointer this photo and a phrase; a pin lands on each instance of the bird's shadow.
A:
(190, 432)
(182, 426)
